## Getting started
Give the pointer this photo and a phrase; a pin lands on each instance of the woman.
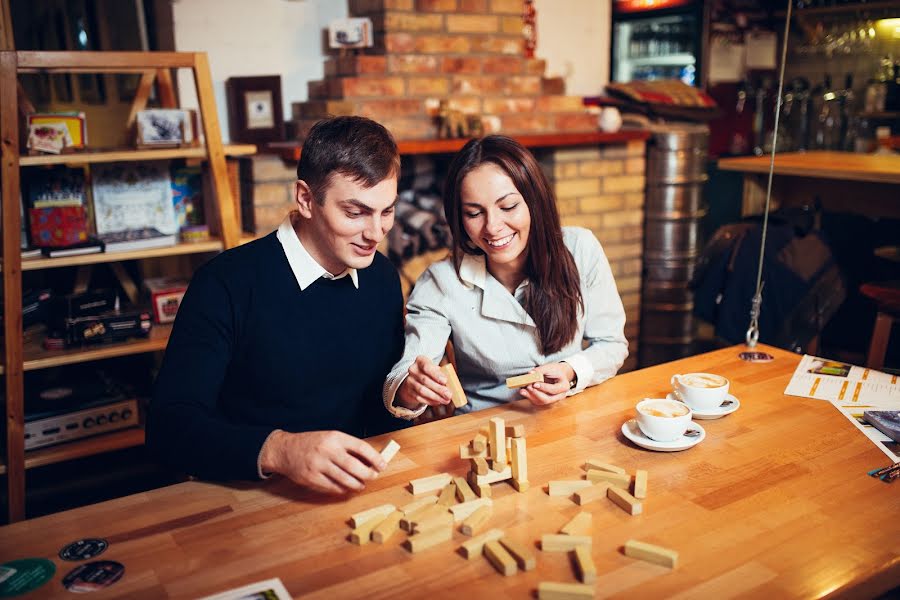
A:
(518, 294)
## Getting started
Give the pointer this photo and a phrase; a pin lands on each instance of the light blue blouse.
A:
(494, 338)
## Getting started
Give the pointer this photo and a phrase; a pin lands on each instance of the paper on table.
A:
(270, 589)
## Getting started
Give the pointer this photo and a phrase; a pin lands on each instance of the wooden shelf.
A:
(843, 9)
(290, 151)
(36, 357)
(105, 442)
(129, 154)
(35, 264)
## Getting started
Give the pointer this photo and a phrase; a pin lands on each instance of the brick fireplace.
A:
(471, 54)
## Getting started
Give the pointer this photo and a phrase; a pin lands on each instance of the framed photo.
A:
(254, 109)
(165, 127)
(350, 33)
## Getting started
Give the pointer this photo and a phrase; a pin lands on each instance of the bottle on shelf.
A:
(826, 127)
(848, 115)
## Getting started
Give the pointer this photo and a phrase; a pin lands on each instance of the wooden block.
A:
(500, 558)
(362, 534)
(462, 511)
(651, 553)
(448, 495)
(560, 542)
(615, 479)
(479, 442)
(407, 523)
(494, 476)
(515, 431)
(602, 466)
(523, 555)
(519, 459)
(479, 466)
(640, 484)
(423, 541)
(626, 501)
(379, 512)
(474, 547)
(498, 440)
(482, 490)
(584, 565)
(456, 390)
(520, 486)
(440, 521)
(467, 452)
(522, 380)
(415, 505)
(464, 493)
(567, 487)
(582, 524)
(429, 484)
(551, 590)
(387, 528)
(389, 451)
(595, 492)
(477, 520)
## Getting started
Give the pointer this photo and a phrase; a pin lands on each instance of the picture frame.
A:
(254, 109)
(355, 32)
(165, 127)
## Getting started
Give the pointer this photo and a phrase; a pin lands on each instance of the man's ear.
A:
(304, 198)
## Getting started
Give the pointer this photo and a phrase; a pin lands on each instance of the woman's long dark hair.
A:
(553, 296)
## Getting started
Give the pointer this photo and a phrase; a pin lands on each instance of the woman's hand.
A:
(554, 387)
(425, 384)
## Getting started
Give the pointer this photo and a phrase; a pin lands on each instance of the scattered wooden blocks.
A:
(466, 451)
(464, 493)
(379, 512)
(479, 442)
(582, 524)
(626, 501)
(387, 528)
(475, 546)
(556, 542)
(567, 487)
(479, 465)
(515, 431)
(439, 521)
(476, 521)
(640, 484)
(524, 557)
(584, 565)
(408, 522)
(462, 511)
(448, 495)
(429, 484)
(602, 466)
(362, 534)
(551, 590)
(389, 451)
(650, 553)
(522, 380)
(415, 505)
(425, 540)
(500, 558)
(519, 464)
(617, 479)
(494, 476)
(498, 440)
(457, 393)
(595, 492)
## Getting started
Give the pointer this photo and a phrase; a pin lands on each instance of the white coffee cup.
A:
(663, 420)
(701, 391)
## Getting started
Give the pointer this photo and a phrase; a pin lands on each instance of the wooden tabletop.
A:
(850, 166)
(774, 503)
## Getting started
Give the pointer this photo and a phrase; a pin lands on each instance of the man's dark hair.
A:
(356, 147)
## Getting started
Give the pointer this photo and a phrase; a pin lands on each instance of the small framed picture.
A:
(350, 33)
(165, 127)
(254, 109)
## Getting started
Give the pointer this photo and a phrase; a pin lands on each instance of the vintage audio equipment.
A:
(43, 429)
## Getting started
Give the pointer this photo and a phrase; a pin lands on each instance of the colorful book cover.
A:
(133, 196)
(57, 226)
(187, 196)
(55, 186)
(75, 122)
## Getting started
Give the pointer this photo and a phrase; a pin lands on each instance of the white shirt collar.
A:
(473, 272)
(304, 266)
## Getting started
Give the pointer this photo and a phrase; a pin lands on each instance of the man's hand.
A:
(554, 387)
(328, 461)
(425, 384)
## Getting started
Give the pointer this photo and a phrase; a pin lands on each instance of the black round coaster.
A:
(93, 576)
(84, 549)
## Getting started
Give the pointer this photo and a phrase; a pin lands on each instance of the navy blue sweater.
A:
(250, 352)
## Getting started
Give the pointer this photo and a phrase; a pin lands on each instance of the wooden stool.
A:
(887, 299)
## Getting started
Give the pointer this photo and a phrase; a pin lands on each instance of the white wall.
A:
(283, 37)
(574, 38)
(255, 37)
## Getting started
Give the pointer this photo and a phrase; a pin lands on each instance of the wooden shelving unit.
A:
(20, 357)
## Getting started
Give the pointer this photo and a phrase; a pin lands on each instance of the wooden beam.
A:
(103, 62)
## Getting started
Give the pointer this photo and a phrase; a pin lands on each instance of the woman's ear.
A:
(304, 198)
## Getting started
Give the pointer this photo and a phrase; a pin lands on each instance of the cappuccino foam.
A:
(702, 380)
(664, 409)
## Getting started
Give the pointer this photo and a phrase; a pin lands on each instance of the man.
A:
(281, 346)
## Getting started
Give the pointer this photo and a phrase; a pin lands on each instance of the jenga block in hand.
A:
(500, 558)
(640, 484)
(650, 553)
(429, 484)
(475, 546)
(626, 501)
(584, 565)
(388, 452)
(522, 380)
(582, 524)
(457, 393)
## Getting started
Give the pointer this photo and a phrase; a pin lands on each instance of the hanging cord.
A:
(753, 331)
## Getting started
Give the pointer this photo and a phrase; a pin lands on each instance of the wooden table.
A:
(843, 181)
(774, 503)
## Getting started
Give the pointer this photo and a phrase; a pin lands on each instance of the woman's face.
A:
(496, 217)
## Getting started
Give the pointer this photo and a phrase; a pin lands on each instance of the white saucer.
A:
(716, 413)
(631, 431)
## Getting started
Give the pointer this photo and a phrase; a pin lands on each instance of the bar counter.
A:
(775, 502)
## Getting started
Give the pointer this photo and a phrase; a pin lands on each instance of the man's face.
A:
(344, 230)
